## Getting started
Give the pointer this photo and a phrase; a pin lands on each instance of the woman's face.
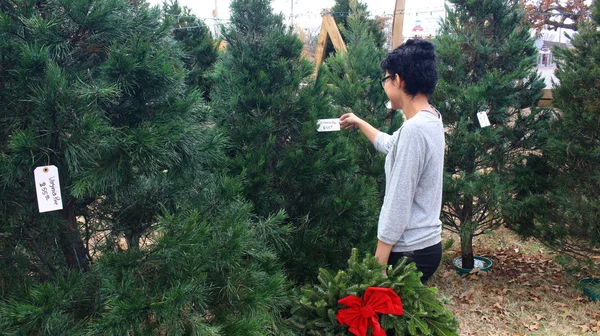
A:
(393, 89)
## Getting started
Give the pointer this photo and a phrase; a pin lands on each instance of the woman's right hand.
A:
(350, 121)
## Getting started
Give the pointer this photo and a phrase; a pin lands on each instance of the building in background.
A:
(422, 22)
(546, 41)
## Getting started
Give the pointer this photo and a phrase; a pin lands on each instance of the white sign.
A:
(47, 188)
(483, 119)
(328, 125)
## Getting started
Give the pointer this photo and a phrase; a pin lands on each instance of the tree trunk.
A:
(70, 240)
(133, 240)
(466, 248)
(467, 226)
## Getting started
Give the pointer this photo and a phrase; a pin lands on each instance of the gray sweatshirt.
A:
(414, 164)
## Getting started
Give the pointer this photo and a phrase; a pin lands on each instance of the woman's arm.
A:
(350, 121)
(383, 252)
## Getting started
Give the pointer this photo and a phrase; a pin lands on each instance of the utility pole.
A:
(398, 23)
(292, 16)
(216, 20)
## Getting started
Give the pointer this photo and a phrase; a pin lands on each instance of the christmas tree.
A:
(563, 208)
(150, 241)
(265, 103)
(487, 68)
(423, 312)
(199, 47)
(352, 81)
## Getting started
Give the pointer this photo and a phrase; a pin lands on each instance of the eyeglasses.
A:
(382, 81)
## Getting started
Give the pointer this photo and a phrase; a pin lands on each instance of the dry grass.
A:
(525, 292)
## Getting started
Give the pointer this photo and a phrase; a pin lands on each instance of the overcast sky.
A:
(307, 12)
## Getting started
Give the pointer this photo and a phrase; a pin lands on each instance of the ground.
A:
(526, 291)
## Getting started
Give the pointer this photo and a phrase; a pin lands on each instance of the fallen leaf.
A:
(446, 274)
(473, 277)
(532, 327)
(539, 317)
(466, 296)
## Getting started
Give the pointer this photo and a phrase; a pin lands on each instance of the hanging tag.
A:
(328, 125)
(47, 188)
(483, 119)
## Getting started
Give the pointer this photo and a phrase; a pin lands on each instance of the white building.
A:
(547, 40)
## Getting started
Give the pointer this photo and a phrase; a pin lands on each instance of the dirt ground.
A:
(526, 291)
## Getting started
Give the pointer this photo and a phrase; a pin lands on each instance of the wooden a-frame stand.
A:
(330, 30)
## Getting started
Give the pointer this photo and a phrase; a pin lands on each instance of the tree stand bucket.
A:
(591, 288)
(481, 263)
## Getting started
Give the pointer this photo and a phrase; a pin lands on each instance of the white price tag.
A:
(47, 188)
(483, 119)
(328, 125)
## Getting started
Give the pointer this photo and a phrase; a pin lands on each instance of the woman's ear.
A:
(397, 81)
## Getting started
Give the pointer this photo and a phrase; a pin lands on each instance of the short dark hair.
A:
(415, 62)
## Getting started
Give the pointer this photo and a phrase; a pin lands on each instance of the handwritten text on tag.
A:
(483, 119)
(47, 187)
(328, 125)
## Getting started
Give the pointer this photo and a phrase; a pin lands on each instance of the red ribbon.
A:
(362, 314)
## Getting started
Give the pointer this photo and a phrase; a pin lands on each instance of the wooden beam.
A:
(328, 29)
(334, 34)
(398, 23)
(321, 48)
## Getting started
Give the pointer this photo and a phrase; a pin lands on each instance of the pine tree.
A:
(211, 271)
(352, 80)
(578, 137)
(97, 90)
(264, 102)
(342, 11)
(150, 241)
(200, 49)
(564, 208)
(424, 312)
(65, 105)
(487, 60)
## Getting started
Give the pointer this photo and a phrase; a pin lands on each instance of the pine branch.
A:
(43, 258)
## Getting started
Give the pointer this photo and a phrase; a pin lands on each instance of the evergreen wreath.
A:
(423, 312)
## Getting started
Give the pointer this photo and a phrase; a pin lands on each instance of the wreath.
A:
(361, 301)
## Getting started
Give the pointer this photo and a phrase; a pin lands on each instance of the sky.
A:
(307, 12)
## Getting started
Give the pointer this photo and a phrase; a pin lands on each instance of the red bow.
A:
(362, 314)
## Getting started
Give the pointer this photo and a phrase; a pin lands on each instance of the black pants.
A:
(427, 259)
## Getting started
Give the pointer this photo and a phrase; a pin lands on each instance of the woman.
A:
(409, 223)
